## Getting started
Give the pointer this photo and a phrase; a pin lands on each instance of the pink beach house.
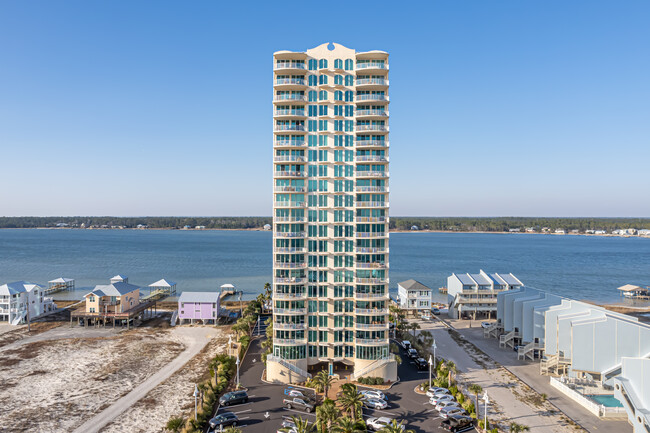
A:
(195, 306)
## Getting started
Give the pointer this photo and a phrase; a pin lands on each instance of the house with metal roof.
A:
(472, 296)
(21, 301)
(117, 297)
(199, 306)
(414, 296)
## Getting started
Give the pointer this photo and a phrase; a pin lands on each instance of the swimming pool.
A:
(606, 400)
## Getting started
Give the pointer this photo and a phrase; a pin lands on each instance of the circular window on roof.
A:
(330, 46)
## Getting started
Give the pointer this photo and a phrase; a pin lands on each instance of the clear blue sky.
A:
(164, 108)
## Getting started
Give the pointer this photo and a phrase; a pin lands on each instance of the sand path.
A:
(195, 339)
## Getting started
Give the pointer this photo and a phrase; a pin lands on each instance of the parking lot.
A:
(264, 411)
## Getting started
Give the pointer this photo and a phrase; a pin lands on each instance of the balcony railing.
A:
(289, 265)
(289, 341)
(290, 189)
(372, 81)
(289, 158)
(372, 204)
(380, 219)
(289, 98)
(370, 97)
(372, 280)
(290, 173)
(289, 249)
(290, 280)
(371, 189)
(289, 127)
(371, 158)
(290, 219)
(360, 113)
(289, 204)
(290, 310)
(371, 325)
(361, 128)
(372, 341)
(370, 295)
(290, 234)
(289, 113)
(371, 249)
(281, 295)
(375, 311)
(296, 81)
(371, 265)
(378, 143)
(372, 174)
(370, 65)
(290, 143)
(280, 325)
(370, 234)
(289, 65)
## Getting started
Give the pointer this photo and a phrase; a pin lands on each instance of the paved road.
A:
(196, 338)
(264, 411)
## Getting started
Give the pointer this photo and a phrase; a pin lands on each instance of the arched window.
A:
(322, 79)
(338, 79)
(312, 64)
(322, 95)
(349, 64)
(349, 80)
(338, 64)
(322, 64)
(349, 95)
(338, 95)
(312, 95)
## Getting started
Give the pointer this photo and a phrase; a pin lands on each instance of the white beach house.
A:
(475, 295)
(22, 299)
(414, 296)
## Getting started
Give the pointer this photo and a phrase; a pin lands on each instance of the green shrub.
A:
(175, 424)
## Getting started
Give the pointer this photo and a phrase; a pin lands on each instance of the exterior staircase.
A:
(492, 330)
(299, 371)
(508, 339)
(19, 318)
(528, 351)
(554, 365)
(373, 366)
(174, 318)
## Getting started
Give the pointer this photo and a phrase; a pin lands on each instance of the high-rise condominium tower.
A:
(330, 214)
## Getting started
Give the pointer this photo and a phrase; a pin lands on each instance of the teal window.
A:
(322, 125)
(322, 110)
(322, 64)
(312, 64)
(349, 96)
(322, 79)
(338, 80)
(313, 81)
(338, 64)
(322, 140)
(312, 320)
(322, 321)
(312, 110)
(349, 64)
(312, 141)
(312, 95)
(289, 352)
(349, 110)
(338, 95)
(349, 80)
(311, 125)
(322, 95)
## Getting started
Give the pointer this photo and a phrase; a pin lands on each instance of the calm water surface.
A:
(577, 266)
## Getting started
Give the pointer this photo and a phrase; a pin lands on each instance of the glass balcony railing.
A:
(288, 265)
(361, 113)
(372, 204)
(289, 158)
(372, 81)
(280, 325)
(289, 204)
(290, 280)
(371, 158)
(360, 128)
(359, 98)
(289, 173)
(373, 143)
(370, 65)
(289, 65)
(289, 97)
(289, 143)
(370, 234)
(289, 113)
(295, 81)
(290, 234)
(290, 189)
(371, 189)
(372, 341)
(289, 219)
(372, 174)
(372, 280)
(371, 325)
(289, 127)
(290, 249)
(379, 219)
(371, 265)
(371, 249)
(370, 295)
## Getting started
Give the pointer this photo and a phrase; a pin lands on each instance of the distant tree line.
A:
(460, 224)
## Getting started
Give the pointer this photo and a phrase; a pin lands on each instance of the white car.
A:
(433, 391)
(443, 404)
(438, 398)
(406, 344)
(375, 403)
(379, 423)
(296, 393)
(448, 411)
(368, 393)
(486, 324)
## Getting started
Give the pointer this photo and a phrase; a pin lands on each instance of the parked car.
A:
(299, 403)
(486, 324)
(235, 397)
(443, 404)
(436, 390)
(435, 311)
(448, 411)
(421, 363)
(292, 392)
(406, 344)
(412, 353)
(375, 403)
(458, 423)
(287, 422)
(438, 398)
(377, 424)
(224, 419)
(370, 393)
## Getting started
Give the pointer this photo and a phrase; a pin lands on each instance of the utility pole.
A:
(196, 396)
(430, 364)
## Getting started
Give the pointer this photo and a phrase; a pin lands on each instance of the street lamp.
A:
(434, 354)
(430, 364)
(229, 344)
(487, 400)
(237, 362)
(196, 397)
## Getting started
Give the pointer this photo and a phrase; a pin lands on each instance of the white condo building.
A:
(330, 214)
(475, 295)
(22, 300)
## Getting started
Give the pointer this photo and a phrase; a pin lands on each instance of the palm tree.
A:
(451, 368)
(476, 390)
(518, 428)
(414, 326)
(267, 290)
(326, 414)
(427, 338)
(302, 426)
(348, 425)
(350, 400)
(324, 379)
(394, 427)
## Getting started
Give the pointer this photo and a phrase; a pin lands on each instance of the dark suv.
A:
(225, 419)
(235, 397)
(458, 423)
(421, 363)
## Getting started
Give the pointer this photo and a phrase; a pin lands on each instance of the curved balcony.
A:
(370, 189)
(370, 295)
(372, 143)
(290, 341)
(371, 82)
(364, 66)
(372, 341)
(371, 280)
(371, 311)
(289, 158)
(371, 325)
(289, 250)
(372, 219)
(289, 113)
(371, 97)
(359, 265)
(289, 265)
(371, 235)
(371, 113)
(290, 189)
(371, 174)
(289, 204)
(289, 128)
(289, 219)
(290, 234)
(290, 310)
(289, 82)
(371, 250)
(288, 66)
(289, 296)
(289, 143)
(371, 158)
(372, 204)
(372, 128)
(289, 98)
(289, 173)
(289, 280)
(297, 326)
